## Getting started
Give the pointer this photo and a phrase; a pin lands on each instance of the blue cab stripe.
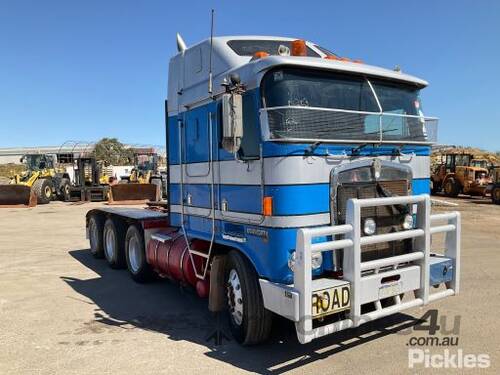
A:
(287, 199)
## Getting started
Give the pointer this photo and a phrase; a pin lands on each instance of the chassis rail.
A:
(363, 286)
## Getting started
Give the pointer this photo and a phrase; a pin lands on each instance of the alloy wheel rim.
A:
(235, 297)
(134, 255)
(109, 244)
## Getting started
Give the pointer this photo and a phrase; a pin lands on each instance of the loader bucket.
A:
(133, 193)
(17, 196)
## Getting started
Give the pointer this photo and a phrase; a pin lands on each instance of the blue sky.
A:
(82, 70)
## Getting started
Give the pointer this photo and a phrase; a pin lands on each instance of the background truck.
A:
(298, 185)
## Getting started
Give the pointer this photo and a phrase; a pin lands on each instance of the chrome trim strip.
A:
(293, 221)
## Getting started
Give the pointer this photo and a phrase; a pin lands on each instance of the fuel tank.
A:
(170, 258)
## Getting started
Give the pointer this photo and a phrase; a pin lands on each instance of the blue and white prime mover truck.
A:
(298, 185)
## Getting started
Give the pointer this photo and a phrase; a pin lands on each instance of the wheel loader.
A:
(143, 184)
(41, 180)
(460, 174)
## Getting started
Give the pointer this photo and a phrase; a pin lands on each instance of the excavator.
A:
(39, 184)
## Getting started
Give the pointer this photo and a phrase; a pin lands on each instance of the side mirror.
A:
(232, 122)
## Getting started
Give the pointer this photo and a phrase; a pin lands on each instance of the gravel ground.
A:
(64, 312)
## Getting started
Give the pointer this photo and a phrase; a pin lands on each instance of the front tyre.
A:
(495, 195)
(43, 190)
(451, 188)
(135, 256)
(249, 321)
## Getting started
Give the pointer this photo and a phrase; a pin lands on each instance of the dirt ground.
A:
(64, 312)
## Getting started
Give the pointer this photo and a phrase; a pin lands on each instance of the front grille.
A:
(388, 218)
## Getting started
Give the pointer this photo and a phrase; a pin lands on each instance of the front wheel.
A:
(43, 190)
(451, 188)
(249, 321)
(495, 195)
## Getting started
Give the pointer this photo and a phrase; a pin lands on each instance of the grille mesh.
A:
(387, 218)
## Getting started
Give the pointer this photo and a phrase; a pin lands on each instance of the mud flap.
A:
(17, 196)
(133, 193)
(217, 294)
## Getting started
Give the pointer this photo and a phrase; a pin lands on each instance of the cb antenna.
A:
(210, 82)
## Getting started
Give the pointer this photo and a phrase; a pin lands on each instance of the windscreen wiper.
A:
(356, 150)
(310, 150)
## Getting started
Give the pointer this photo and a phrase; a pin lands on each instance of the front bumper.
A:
(372, 282)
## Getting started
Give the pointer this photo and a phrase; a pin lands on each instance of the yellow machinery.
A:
(142, 185)
(40, 179)
(460, 173)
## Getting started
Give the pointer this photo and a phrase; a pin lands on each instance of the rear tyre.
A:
(135, 256)
(451, 188)
(64, 190)
(113, 243)
(43, 190)
(495, 195)
(249, 321)
(435, 187)
(96, 226)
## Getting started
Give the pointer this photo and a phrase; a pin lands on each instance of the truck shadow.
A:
(165, 307)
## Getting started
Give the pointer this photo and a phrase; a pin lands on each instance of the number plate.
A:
(389, 290)
(331, 300)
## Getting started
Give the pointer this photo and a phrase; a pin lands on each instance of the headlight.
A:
(316, 261)
(369, 227)
(408, 222)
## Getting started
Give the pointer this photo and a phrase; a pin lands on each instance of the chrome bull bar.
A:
(364, 288)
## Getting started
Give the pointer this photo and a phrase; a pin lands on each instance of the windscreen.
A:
(35, 162)
(328, 105)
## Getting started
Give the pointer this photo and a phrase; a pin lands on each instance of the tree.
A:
(113, 152)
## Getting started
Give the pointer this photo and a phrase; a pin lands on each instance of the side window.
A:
(251, 134)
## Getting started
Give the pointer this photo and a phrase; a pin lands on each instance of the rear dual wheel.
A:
(95, 228)
(108, 239)
(113, 243)
(135, 255)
